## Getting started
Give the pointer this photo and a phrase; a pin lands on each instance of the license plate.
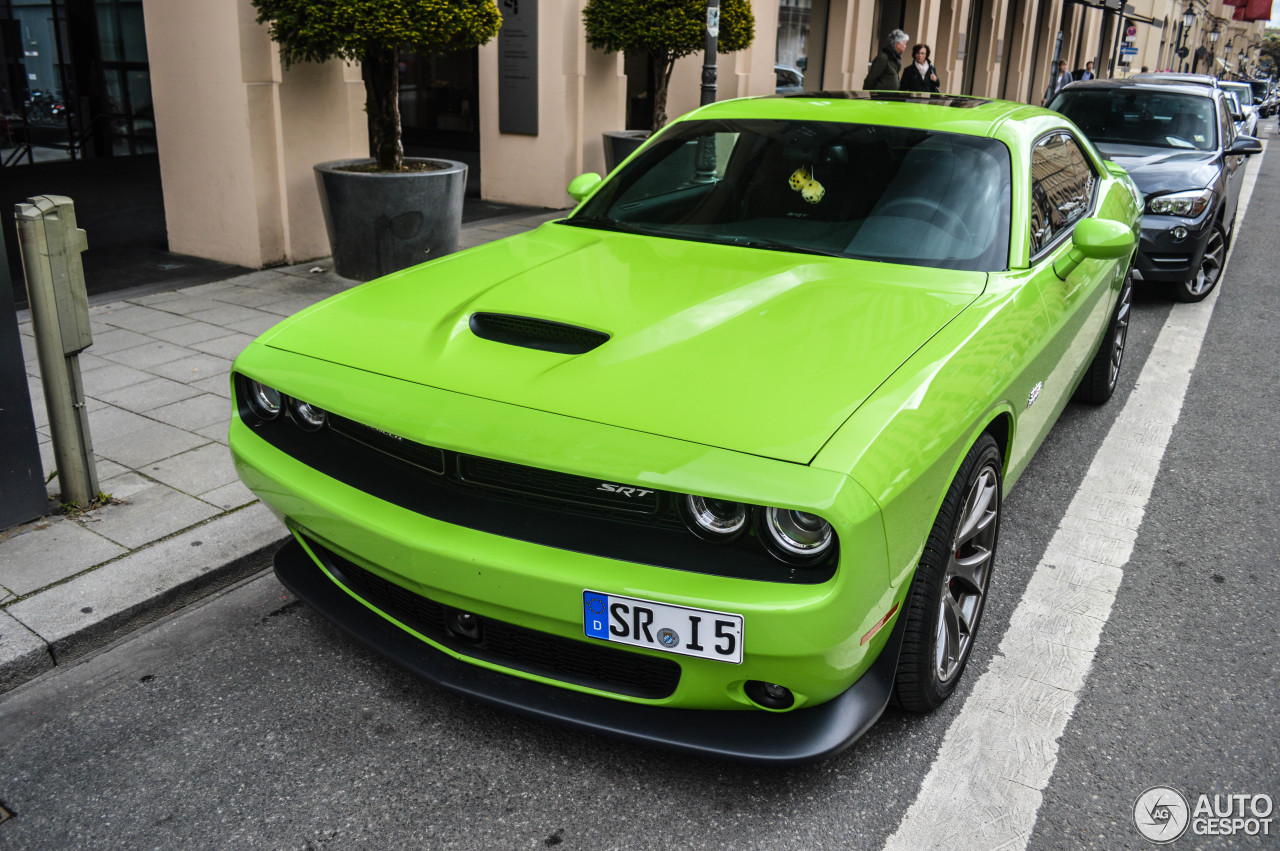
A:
(661, 626)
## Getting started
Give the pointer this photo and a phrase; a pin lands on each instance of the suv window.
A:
(1062, 182)
(1146, 117)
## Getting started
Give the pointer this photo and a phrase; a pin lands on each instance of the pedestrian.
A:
(1088, 74)
(920, 75)
(887, 66)
(1058, 83)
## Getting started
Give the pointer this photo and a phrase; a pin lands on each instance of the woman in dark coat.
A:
(920, 75)
(887, 65)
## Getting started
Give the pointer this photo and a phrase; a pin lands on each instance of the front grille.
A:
(534, 481)
(506, 644)
(536, 333)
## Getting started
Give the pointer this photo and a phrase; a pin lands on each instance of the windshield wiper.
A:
(777, 245)
(603, 223)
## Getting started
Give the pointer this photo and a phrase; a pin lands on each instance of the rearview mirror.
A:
(583, 185)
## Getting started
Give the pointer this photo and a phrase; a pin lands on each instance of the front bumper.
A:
(804, 735)
(1164, 259)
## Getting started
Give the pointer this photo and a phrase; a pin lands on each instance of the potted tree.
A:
(385, 212)
(667, 30)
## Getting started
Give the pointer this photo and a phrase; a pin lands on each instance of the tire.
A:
(1206, 276)
(1099, 380)
(949, 590)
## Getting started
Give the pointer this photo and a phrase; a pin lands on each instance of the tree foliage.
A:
(668, 30)
(373, 32)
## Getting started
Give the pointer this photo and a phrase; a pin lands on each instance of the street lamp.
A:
(1189, 16)
(1188, 19)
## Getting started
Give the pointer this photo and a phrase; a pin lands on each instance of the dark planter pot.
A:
(618, 145)
(380, 223)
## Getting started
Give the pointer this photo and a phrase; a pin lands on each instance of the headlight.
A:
(796, 537)
(1186, 204)
(306, 415)
(714, 519)
(263, 401)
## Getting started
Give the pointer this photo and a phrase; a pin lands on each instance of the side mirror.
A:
(584, 184)
(1246, 145)
(1095, 239)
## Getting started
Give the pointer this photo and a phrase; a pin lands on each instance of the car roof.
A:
(927, 111)
(1190, 79)
(1146, 82)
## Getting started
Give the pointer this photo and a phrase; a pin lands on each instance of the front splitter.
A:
(751, 736)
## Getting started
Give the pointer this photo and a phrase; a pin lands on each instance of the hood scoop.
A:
(531, 333)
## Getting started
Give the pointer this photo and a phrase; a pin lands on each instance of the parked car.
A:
(787, 79)
(1247, 126)
(717, 462)
(1178, 143)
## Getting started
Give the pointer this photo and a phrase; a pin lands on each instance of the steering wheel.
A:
(928, 210)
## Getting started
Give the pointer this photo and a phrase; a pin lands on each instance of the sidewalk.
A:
(180, 524)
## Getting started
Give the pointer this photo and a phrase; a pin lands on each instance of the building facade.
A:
(237, 135)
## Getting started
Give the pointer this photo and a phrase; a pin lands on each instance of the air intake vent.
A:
(535, 333)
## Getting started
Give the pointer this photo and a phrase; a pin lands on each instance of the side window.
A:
(1062, 183)
(1226, 127)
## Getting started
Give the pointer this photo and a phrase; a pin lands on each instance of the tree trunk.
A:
(663, 65)
(381, 72)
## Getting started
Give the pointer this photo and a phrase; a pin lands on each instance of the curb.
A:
(63, 623)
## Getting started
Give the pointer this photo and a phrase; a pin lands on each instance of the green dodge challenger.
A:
(716, 462)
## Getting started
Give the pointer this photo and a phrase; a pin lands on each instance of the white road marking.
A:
(985, 787)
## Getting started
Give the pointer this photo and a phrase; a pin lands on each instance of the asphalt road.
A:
(250, 722)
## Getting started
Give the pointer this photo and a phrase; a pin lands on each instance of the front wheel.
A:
(949, 590)
(1206, 275)
(1099, 381)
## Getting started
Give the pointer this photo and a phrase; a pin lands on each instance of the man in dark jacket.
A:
(887, 66)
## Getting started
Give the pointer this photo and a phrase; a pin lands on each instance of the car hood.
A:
(1164, 170)
(757, 351)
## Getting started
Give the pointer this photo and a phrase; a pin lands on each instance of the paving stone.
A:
(155, 393)
(229, 496)
(219, 385)
(150, 354)
(50, 552)
(182, 304)
(190, 414)
(141, 319)
(224, 347)
(217, 431)
(189, 334)
(117, 339)
(98, 382)
(194, 368)
(248, 296)
(256, 325)
(197, 472)
(290, 305)
(150, 511)
(132, 440)
(226, 315)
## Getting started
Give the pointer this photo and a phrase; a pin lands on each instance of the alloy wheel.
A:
(1206, 276)
(1120, 332)
(968, 571)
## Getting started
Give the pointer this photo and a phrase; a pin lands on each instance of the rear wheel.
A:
(1206, 276)
(949, 590)
(1099, 381)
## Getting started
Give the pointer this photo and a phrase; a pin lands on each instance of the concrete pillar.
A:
(238, 136)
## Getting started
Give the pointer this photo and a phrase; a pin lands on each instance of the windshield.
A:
(1131, 116)
(1242, 91)
(1259, 88)
(898, 195)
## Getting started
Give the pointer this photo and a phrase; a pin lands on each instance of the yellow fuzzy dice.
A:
(799, 178)
(813, 192)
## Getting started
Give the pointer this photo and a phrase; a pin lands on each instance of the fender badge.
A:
(1035, 393)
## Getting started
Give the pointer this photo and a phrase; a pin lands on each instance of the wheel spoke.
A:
(968, 569)
(978, 514)
(950, 635)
